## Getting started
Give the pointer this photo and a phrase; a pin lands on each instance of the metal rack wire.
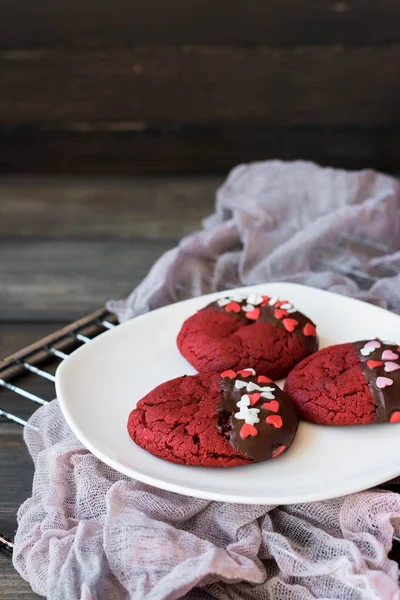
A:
(39, 360)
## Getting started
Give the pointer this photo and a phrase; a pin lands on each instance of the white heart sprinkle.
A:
(252, 417)
(268, 396)
(267, 389)
(291, 310)
(248, 308)
(244, 401)
(286, 306)
(238, 298)
(239, 385)
(223, 301)
(251, 387)
(243, 413)
(252, 371)
(254, 299)
(366, 351)
(273, 301)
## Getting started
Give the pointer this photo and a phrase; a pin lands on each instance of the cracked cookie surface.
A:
(348, 384)
(215, 420)
(268, 336)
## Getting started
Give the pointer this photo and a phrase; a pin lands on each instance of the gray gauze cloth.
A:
(91, 533)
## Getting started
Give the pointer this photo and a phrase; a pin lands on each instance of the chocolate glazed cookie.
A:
(268, 333)
(348, 384)
(215, 420)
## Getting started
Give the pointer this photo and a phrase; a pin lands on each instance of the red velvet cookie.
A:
(215, 420)
(268, 333)
(348, 384)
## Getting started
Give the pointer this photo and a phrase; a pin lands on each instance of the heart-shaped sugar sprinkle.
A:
(391, 366)
(253, 314)
(247, 430)
(389, 355)
(254, 398)
(252, 387)
(223, 301)
(233, 307)
(239, 385)
(382, 382)
(286, 306)
(247, 372)
(248, 308)
(268, 395)
(279, 313)
(244, 401)
(279, 451)
(273, 301)
(395, 417)
(273, 406)
(229, 373)
(281, 303)
(373, 344)
(254, 299)
(366, 351)
(274, 420)
(265, 300)
(290, 324)
(373, 364)
(309, 330)
(263, 379)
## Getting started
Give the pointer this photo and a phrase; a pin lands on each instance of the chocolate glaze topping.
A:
(387, 399)
(267, 316)
(270, 440)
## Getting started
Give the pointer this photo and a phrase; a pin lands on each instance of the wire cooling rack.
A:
(40, 360)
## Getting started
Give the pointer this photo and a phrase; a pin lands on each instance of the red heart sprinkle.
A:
(371, 364)
(395, 417)
(274, 420)
(398, 350)
(279, 451)
(247, 430)
(290, 324)
(273, 406)
(265, 300)
(281, 303)
(245, 373)
(231, 374)
(254, 398)
(263, 379)
(279, 313)
(253, 314)
(233, 307)
(309, 329)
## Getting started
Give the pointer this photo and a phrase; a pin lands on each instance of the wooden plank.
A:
(153, 209)
(45, 22)
(318, 85)
(16, 469)
(62, 280)
(209, 149)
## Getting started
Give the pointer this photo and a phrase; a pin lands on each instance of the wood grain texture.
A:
(318, 85)
(93, 209)
(66, 246)
(191, 149)
(92, 22)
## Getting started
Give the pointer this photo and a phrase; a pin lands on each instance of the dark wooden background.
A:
(194, 86)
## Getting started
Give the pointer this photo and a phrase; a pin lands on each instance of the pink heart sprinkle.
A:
(382, 382)
(372, 344)
(391, 366)
(389, 355)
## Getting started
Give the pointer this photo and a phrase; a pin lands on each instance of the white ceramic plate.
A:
(100, 383)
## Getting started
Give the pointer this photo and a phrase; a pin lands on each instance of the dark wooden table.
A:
(66, 246)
